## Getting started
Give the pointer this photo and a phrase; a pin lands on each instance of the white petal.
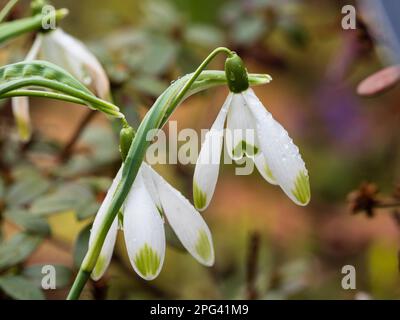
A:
(207, 165)
(71, 54)
(108, 246)
(188, 224)
(150, 184)
(143, 231)
(20, 108)
(281, 154)
(263, 168)
(241, 138)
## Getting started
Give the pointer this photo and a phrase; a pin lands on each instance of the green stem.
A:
(152, 120)
(12, 29)
(79, 283)
(7, 8)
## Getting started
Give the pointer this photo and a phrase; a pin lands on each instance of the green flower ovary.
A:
(147, 261)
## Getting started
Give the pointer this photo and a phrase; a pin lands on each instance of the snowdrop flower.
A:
(275, 155)
(69, 53)
(150, 203)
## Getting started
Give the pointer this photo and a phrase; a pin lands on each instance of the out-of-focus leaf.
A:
(17, 249)
(204, 35)
(296, 34)
(149, 85)
(103, 150)
(81, 245)
(27, 187)
(19, 288)
(98, 184)
(29, 222)
(248, 29)
(383, 269)
(160, 15)
(71, 196)
(156, 56)
(63, 275)
(88, 210)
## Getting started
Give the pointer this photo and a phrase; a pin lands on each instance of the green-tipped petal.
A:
(207, 165)
(188, 224)
(108, 247)
(301, 188)
(199, 197)
(147, 261)
(143, 231)
(264, 169)
(281, 154)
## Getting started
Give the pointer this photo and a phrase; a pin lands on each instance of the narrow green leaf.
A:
(19, 288)
(46, 75)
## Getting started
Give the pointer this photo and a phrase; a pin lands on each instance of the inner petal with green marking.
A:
(199, 196)
(244, 149)
(147, 261)
(203, 246)
(302, 188)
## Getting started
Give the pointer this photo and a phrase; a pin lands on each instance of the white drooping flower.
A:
(250, 131)
(72, 55)
(150, 204)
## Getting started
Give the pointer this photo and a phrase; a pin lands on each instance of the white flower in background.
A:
(69, 53)
(20, 105)
(150, 203)
(274, 153)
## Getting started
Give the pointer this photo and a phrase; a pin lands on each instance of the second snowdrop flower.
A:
(69, 53)
(150, 204)
(275, 155)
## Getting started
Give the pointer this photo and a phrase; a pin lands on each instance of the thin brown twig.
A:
(66, 152)
(252, 265)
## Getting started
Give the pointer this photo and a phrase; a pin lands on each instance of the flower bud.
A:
(126, 136)
(236, 74)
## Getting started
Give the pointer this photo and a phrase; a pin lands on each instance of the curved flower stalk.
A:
(69, 53)
(251, 132)
(151, 202)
